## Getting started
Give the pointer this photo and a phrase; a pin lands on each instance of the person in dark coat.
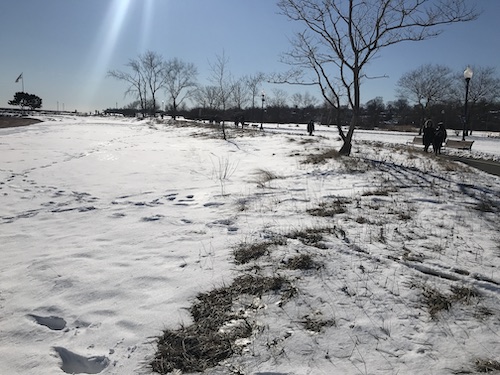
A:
(310, 127)
(428, 136)
(439, 138)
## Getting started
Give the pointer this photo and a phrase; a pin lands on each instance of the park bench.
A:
(461, 145)
(417, 141)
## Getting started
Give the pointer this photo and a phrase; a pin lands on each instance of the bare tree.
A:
(279, 98)
(147, 77)
(425, 86)
(207, 97)
(240, 94)
(153, 66)
(296, 100)
(137, 83)
(180, 82)
(253, 83)
(374, 109)
(343, 36)
(277, 102)
(221, 79)
(303, 100)
(484, 86)
(309, 100)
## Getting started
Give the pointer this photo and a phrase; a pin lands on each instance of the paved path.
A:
(488, 166)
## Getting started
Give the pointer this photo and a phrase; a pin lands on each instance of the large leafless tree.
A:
(221, 79)
(206, 97)
(303, 100)
(484, 85)
(136, 82)
(180, 82)
(240, 93)
(341, 37)
(254, 83)
(427, 85)
(147, 77)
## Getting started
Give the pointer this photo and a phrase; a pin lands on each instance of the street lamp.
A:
(467, 75)
(262, 113)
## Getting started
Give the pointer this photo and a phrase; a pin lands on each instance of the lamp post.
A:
(467, 75)
(262, 113)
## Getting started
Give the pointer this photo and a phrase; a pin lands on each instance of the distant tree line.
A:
(431, 91)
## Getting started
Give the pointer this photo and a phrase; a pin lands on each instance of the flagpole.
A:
(21, 77)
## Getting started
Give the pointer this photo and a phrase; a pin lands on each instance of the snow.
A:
(110, 228)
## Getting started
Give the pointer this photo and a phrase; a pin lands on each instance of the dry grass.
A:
(314, 236)
(216, 326)
(321, 157)
(437, 302)
(382, 191)
(487, 365)
(246, 252)
(264, 176)
(315, 324)
(302, 262)
(330, 208)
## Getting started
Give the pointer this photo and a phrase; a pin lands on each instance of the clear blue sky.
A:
(64, 48)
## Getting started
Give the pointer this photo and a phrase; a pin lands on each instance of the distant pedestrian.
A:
(439, 138)
(310, 127)
(428, 135)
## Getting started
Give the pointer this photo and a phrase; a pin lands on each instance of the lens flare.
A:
(105, 45)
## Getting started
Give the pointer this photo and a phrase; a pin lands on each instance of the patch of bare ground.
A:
(12, 122)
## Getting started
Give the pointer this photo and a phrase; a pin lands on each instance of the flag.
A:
(20, 77)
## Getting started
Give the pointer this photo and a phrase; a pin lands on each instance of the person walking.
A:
(439, 138)
(428, 135)
(310, 127)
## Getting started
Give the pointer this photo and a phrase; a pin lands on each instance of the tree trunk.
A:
(347, 145)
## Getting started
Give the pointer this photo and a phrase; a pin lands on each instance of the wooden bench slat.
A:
(417, 141)
(461, 145)
(451, 143)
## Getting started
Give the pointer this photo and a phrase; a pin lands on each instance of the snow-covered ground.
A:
(110, 228)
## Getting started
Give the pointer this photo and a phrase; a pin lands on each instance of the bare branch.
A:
(342, 36)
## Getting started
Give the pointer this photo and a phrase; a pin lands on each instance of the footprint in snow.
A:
(54, 323)
(228, 223)
(152, 218)
(186, 201)
(213, 204)
(171, 197)
(73, 363)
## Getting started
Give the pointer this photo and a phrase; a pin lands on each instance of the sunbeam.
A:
(147, 21)
(105, 44)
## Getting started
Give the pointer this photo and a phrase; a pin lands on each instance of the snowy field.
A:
(110, 229)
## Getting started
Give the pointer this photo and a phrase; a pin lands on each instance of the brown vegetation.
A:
(11, 122)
